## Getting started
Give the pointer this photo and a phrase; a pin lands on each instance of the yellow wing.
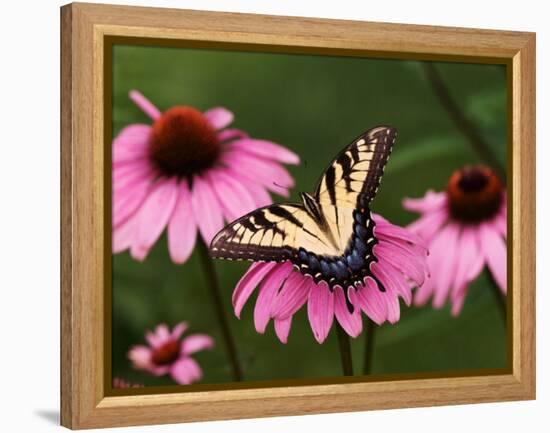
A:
(272, 233)
(353, 178)
(330, 236)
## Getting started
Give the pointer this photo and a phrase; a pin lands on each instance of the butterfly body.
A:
(346, 265)
(330, 235)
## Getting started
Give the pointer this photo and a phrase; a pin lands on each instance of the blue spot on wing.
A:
(355, 261)
(314, 264)
(325, 269)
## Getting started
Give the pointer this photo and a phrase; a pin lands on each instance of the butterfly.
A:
(330, 235)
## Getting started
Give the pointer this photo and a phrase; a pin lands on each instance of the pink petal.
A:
(266, 297)
(153, 340)
(195, 343)
(246, 285)
(292, 296)
(389, 298)
(386, 230)
(471, 263)
(458, 294)
(410, 250)
(476, 267)
(424, 292)
(430, 202)
(182, 229)
(186, 371)
(224, 180)
(125, 234)
(429, 224)
(140, 357)
(163, 333)
(391, 279)
(127, 200)
(320, 310)
(178, 330)
(282, 328)
(371, 301)
(472, 271)
(443, 261)
(414, 267)
(351, 322)
(392, 307)
(467, 260)
(144, 104)
(131, 184)
(458, 303)
(128, 173)
(154, 215)
(131, 143)
(438, 252)
(270, 174)
(494, 250)
(230, 197)
(205, 204)
(266, 149)
(258, 193)
(501, 223)
(219, 117)
(228, 135)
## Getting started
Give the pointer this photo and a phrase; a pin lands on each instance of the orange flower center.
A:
(475, 194)
(183, 142)
(167, 353)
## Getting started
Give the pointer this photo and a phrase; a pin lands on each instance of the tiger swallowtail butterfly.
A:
(330, 235)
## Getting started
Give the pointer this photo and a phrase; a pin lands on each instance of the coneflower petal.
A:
(320, 310)
(186, 371)
(494, 249)
(351, 322)
(131, 143)
(282, 328)
(205, 203)
(246, 285)
(153, 216)
(182, 228)
(219, 117)
(271, 284)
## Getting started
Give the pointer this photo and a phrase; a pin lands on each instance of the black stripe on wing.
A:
(266, 234)
(382, 140)
(354, 176)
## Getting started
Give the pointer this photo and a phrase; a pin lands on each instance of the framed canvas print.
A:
(269, 216)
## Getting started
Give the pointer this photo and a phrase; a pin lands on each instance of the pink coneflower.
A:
(187, 172)
(465, 228)
(167, 353)
(400, 260)
(119, 383)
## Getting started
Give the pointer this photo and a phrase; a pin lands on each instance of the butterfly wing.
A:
(333, 239)
(353, 178)
(271, 233)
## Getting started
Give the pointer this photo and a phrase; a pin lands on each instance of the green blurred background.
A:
(314, 105)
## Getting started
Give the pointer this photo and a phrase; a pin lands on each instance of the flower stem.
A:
(500, 299)
(369, 347)
(213, 284)
(345, 351)
(463, 124)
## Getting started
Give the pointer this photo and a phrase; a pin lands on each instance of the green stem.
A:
(345, 350)
(500, 299)
(369, 347)
(223, 323)
(463, 124)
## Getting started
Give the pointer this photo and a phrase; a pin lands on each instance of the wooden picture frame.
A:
(86, 31)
